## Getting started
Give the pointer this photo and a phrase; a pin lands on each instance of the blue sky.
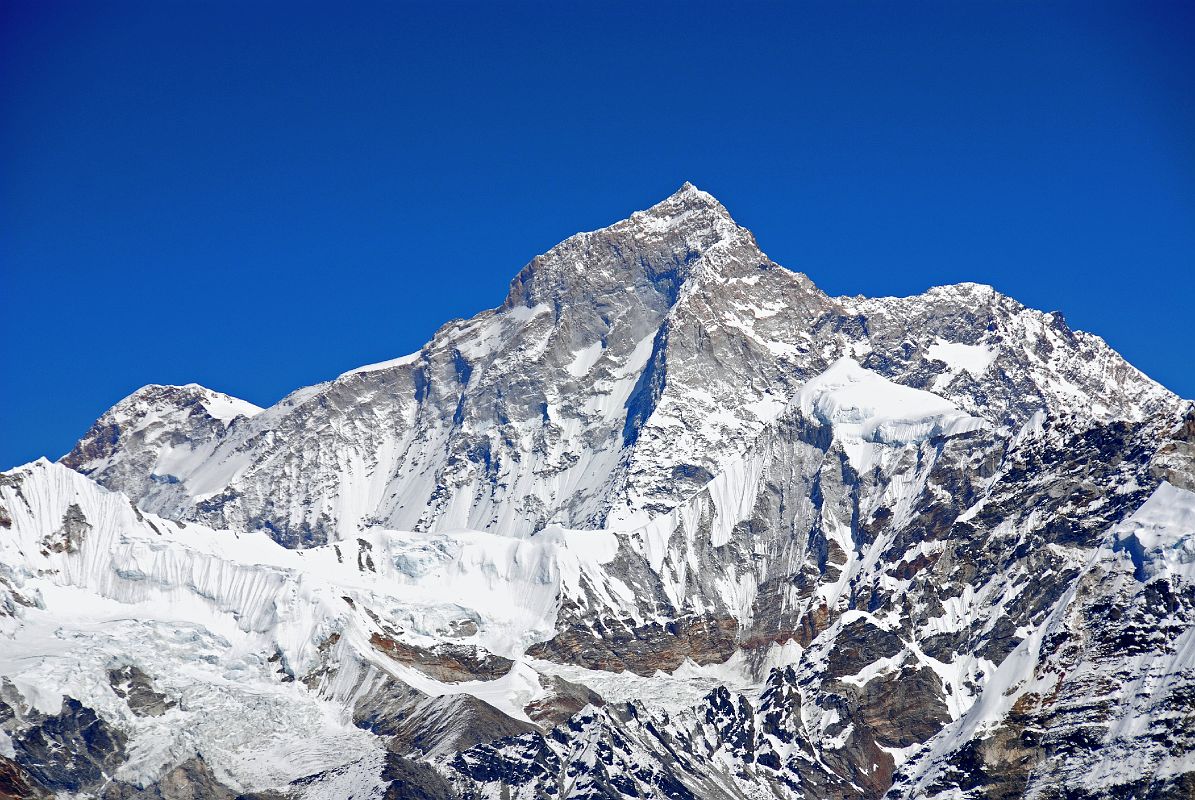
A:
(259, 198)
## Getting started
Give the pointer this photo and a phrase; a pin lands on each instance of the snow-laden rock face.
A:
(626, 368)
(498, 593)
(669, 521)
(1097, 701)
(147, 440)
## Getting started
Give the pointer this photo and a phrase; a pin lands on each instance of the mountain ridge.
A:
(668, 522)
(593, 331)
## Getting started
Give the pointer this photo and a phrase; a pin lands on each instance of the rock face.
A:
(136, 688)
(669, 522)
(72, 750)
(1099, 700)
(625, 369)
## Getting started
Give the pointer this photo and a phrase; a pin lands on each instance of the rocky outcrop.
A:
(614, 646)
(413, 780)
(136, 688)
(71, 751)
(1175, 460)
(190, 780)
(441, 726)
(69, 537)
(126, 444)
(1098, 703)
(17, 784)
(445, 662)
(562, 699)
(729, 746)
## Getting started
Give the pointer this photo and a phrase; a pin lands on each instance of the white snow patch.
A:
(973, 358)
(401, 361)
(226, 408)
(866, 408)
(584, 359)
(1160, 535)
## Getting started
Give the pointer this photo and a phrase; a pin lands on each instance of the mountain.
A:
(669, 522)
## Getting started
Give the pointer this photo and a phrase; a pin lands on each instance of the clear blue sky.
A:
(258, 198)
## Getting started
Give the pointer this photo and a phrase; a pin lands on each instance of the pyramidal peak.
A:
(156, 398)
(690, 195)
(659, 246)
(688, 206)
(671, 496)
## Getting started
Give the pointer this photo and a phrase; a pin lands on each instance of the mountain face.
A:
(668, 523)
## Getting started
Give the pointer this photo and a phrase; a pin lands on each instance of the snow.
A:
(206, 609)
(358, 780)
(858, 402)
(584, 359)
(866, 408)
(972, 358)
(226, 408)
(254, 730)
(1160, 535)
(509, 586)
(401, 361)
(144, 414)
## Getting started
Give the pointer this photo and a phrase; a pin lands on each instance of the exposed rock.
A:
(71, 751)
(614, 646)
(859, 644)
(1175, 459)
(385, 706)
(904, 708)
(441, 726)
(69, 537)
(413, 780)
(191, 780)
(445, 662)
(562, 701)
(136, 688)
(17, 784)
(1091, 713)
(726, 748)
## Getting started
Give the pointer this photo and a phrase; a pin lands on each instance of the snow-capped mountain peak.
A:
(668, 522)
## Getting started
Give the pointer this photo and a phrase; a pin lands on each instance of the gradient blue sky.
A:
(260, 196)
